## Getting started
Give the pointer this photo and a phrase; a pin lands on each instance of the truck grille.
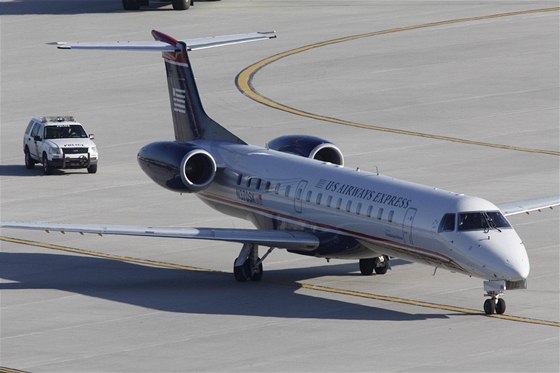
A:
(74, 150)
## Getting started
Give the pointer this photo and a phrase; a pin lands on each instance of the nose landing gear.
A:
(494, 290)
(494, 305)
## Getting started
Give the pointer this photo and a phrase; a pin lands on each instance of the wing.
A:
(527, 206)
(281, 239)
(156, 45)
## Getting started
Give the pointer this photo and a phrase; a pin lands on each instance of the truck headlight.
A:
(55, 150)
(93, 150)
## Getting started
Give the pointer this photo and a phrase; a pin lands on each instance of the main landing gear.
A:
(248, 265)
(496, 304)
(379, 264)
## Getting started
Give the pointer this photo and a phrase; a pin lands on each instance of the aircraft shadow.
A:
(182, 291)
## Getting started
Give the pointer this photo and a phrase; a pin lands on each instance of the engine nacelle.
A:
(178, 167)
(308, 146)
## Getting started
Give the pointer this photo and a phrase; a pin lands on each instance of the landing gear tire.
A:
(381, 265)
(367, 266)
(47, 169)
(181, 4)
(500, 306)
(489, 306)
(29, 162)
(245, 272)
(241, 273)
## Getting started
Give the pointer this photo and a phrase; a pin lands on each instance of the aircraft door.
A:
(298, 197)
(407, 225)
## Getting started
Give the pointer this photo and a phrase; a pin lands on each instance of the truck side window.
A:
(35, 130)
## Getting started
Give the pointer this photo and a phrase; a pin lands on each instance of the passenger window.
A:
(308, 198)
(35, 130)
(370, 207)
(390, 217)
(239, 178)
(447, 223)
(338, 203)
(267, 186)
(329, 201)
(358, 208)
(319, 197)
(348, 206)
(380, 214)
(288, 190)
(29, 126)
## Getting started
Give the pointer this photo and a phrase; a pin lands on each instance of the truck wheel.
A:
(130, 4)
(92, 169)
(47, 169)
(181, 4)
(29, 162)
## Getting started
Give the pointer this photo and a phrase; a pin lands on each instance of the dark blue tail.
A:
(190, 121)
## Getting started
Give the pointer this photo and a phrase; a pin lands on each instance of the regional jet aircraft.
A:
(300, 197)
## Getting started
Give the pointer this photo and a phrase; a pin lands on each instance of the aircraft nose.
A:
(518, 267)
(507, 257)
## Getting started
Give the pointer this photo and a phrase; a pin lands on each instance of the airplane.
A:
(300, 196)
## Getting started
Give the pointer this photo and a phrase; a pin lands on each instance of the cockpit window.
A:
(447, 223)
(482, 220)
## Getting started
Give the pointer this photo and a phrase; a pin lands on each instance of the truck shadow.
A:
(20, 170)
(183, 291)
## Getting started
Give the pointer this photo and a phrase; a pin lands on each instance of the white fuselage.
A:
(359, 214)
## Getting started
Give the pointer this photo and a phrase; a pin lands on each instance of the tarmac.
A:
(460, 95)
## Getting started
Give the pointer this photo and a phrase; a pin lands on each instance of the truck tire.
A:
(92, 169)
(181, 4)
(29, 161)
(47, 169)
(130, 4)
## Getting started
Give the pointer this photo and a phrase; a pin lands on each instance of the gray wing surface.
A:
(281, 239)
(527, 206)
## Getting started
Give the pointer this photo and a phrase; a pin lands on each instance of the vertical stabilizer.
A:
(190, 121)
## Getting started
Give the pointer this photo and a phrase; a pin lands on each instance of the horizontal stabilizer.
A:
(161, 46)
(295, 240)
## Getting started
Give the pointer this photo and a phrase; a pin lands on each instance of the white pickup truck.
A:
(59, 142)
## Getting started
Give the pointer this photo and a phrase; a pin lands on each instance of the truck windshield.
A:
(482, 220)
(65, 132)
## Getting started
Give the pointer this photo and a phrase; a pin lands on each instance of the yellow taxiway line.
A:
(327, 289)
(244, 80)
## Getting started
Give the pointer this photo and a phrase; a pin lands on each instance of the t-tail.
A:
(190, 121)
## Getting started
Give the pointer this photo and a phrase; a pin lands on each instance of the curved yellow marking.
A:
(384, 298)
(244, 79)
(11, 370)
